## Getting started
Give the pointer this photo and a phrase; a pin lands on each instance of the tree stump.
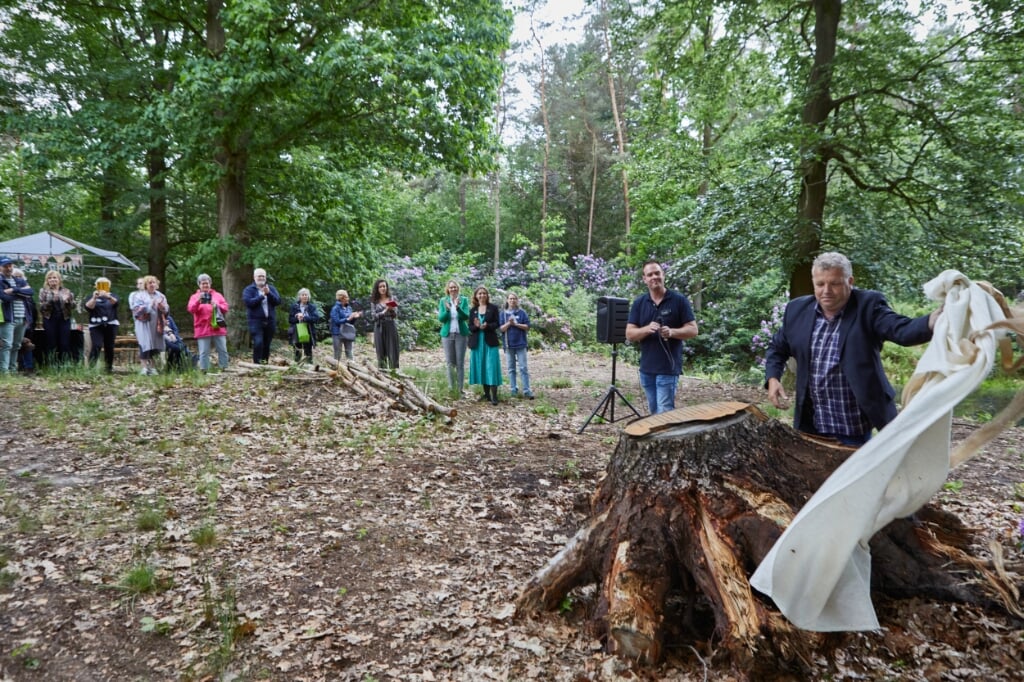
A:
(684, 516)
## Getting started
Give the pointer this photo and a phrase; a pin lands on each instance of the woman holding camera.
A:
(209, 310)
(103, 324)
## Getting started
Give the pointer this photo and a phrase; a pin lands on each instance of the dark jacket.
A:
(253, 300)
(20, 289)
(867, 323)
(491, 337)
(312, 317)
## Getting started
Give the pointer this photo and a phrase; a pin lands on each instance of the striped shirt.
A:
(835, 407)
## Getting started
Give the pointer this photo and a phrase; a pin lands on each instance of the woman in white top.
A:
(149, 308)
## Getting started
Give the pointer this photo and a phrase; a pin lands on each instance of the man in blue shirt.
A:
(514, 324)
(659, 321)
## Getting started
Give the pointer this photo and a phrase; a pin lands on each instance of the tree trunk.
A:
(815, 154)
(156, 169)
(499, 122)
(542, 95)
(620, 130)
(692, 501)
(232, 225)
(593, 185)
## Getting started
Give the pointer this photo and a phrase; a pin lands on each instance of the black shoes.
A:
(490, 393)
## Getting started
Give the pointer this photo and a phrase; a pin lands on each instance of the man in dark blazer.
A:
(836, 338)
(260, 299)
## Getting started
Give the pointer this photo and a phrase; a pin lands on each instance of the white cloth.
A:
(819, 571)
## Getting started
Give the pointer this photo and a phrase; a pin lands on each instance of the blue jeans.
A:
(515, 358)
(262, 336)
(660, 390)
(16, 339)
(218, 342)
(6, 343)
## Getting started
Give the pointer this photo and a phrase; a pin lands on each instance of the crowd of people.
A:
(156, 332)
(835, 335)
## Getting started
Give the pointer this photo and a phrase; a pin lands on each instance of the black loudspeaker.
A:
(612, 315)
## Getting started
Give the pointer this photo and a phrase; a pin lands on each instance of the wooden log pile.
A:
(390, 389)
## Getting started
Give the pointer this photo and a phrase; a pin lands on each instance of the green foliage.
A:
(22, 653)
(418, 282)
(150, 517)
(139, 579)
(205, 536)
(900, 362)
(994, 394)
(158, 627)
(570, 470)
(734, 324)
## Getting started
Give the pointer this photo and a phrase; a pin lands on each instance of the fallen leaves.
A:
(353, 542)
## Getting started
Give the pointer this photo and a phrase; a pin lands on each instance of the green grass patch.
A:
(140, 579)
(150, 519)
(205, 536)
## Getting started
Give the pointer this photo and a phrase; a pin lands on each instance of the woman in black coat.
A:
(484, 357)
(303, 317)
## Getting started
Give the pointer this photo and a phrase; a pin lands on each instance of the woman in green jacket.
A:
(453, 313)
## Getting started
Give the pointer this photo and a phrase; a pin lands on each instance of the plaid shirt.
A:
(835, 407)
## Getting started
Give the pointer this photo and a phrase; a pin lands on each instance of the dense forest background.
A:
(334, 143)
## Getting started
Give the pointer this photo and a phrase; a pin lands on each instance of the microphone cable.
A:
(662, 314)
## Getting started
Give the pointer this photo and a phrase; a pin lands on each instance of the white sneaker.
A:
(144, 371)
(152, 371)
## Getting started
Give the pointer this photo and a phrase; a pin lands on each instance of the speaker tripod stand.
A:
(606, 408)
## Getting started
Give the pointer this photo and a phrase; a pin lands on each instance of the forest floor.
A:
(267, 527)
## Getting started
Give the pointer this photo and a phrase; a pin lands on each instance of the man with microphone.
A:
(659, 321)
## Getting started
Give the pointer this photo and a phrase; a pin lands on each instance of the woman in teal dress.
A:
(484, 358)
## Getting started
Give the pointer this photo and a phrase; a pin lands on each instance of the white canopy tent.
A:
(51, 251)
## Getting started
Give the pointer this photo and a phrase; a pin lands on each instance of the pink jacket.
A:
(202, 314)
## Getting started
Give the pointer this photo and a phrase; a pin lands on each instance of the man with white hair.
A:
(836, 337)
(260, 299)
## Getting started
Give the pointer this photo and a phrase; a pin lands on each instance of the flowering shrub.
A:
(417, 282)
(733, 331)
(763, 338)
(600, 277)
(561, 299)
